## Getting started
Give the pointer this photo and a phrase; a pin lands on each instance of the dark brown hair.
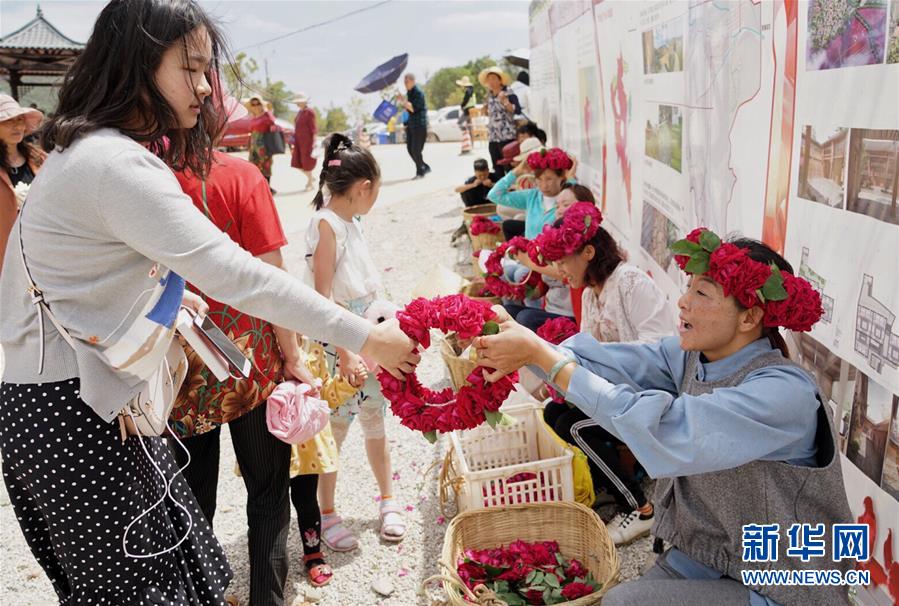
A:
(113, 83)
(26, 149)
(760, 252)
(581, 193)
(344, 165)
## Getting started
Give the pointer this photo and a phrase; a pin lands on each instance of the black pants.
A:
(512, 228)
(78, 492)
(601, 448)
(264, 464)
(496, 154)
(415, 144)
(530, 317)
(473, 197)
(304, 495)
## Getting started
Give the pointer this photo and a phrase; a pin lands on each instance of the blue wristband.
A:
(558, 366)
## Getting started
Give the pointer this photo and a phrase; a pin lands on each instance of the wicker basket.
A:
(485, 210)
(482, 241)
(473, 290)
(459, 368)
(578, 530)
(488, 241)
(496, 467)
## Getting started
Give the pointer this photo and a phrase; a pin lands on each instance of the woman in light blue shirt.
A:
(733, 429)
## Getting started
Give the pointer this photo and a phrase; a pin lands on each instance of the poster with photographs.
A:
(777, 121)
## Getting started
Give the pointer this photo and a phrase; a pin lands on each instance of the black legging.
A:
(496, 154)
(601, 448)
(304, 495)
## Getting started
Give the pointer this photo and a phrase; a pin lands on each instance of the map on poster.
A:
(748, 117)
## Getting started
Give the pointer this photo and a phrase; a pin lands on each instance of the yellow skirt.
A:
(316, 456)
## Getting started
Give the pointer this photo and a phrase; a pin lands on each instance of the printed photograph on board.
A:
(657, 234)
(591, 117)
(893, 44)
(664, 136)
(873, 173)
(663, 48)
(872, 408)
(845, 33)
(822, 165)
(835, 377)
(890, 480)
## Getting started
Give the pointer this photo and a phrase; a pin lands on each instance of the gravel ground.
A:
(408, 238)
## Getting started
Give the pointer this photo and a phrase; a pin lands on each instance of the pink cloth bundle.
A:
(294, 416)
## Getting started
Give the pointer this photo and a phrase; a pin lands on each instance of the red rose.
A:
(415, 321)
(534, 596)
(573, 591)
(739, 275)
(557, 330)
(575, 569)
(694, 235)
(799, 311)
(482, 225)
(471, 574)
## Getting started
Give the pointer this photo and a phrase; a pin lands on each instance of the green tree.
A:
(356, 110)
(241, 80)
(443, 84)
(335, 120)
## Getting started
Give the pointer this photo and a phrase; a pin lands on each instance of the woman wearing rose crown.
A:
(340, 266)
(735, 432)
(552, 169)
(19, 161)
(108, 238)
(621, 303)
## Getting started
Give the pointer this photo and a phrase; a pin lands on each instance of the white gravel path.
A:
(408, 238)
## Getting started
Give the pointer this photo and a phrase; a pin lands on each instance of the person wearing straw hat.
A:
(469, 100)
(501, 107)
(20, 160)
(304, 139)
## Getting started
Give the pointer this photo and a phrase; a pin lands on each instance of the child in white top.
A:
(340, 266)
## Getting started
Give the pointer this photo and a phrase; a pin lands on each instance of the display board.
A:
(778, 120)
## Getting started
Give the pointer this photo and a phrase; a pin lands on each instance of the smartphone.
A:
(225, 346)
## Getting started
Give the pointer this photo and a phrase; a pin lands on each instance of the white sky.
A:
(327, 62)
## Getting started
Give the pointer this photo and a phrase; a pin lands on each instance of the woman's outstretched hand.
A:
(391, 349)
(514, 347)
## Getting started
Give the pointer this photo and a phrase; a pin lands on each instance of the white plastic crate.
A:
(511, 465)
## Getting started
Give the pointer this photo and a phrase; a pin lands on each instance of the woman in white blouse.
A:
(620, 303)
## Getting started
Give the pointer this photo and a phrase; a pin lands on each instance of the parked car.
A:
(444, 126)
(237, 134)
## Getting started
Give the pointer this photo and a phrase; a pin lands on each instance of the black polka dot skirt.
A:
(75, 488)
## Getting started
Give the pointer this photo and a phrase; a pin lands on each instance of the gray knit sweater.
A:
(106, 229)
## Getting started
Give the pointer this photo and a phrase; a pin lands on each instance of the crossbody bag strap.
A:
(37, 299)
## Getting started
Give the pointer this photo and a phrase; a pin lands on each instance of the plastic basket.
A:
(506, 466)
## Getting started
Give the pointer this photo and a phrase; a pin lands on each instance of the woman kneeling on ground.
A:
(620, 303)
(735, 431)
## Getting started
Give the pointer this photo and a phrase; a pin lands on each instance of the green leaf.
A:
(557, 593)
(506, 420)
(587, 220)
(493, 570)
(530, 578)
(493, 417)
(512, 599)
(501, 586)
(490, 328)
(709, 241)
(685, 247)
(561, 559)
(552, 580)
(773, 288)
(430, 436)
(699, 263)
(538, 577)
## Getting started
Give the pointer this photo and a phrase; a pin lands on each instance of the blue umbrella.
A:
(384, 75)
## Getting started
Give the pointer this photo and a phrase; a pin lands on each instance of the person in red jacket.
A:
(304, 139)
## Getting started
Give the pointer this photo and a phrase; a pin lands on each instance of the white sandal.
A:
(392, 520)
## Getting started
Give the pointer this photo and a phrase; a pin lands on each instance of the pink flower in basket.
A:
(482, 225)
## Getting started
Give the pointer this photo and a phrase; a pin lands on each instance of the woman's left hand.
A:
(195, 303)
(506, 352)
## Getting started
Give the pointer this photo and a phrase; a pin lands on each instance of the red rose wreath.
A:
(532, 288)
(430, 411)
